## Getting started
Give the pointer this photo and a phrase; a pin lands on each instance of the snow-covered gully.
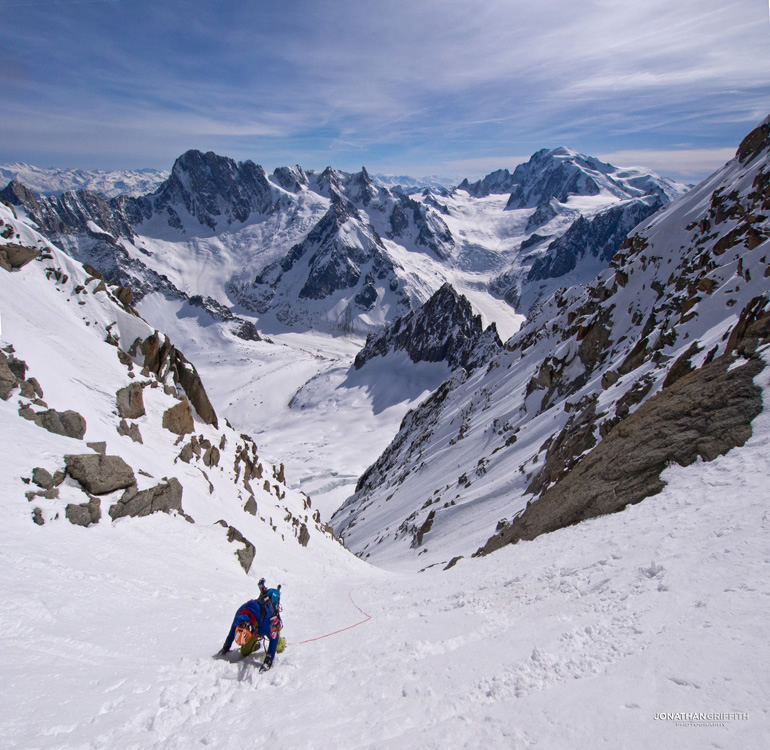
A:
(582, 637)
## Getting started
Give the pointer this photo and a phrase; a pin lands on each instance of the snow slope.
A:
(597, 635)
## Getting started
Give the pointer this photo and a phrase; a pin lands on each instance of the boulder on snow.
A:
(211, 456)
(14, 257)
(130, 401)
(68, 423)
(42, 478)
(130, 430)
(17, 366)
(84, 514)
(99, 474)
(179, 419)
(163, 498)
(8, 381)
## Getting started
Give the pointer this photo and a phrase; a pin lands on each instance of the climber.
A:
(255, 619)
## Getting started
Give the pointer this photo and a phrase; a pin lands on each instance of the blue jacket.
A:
(259, 613)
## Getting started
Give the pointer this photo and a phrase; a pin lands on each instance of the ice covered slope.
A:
(687, 289)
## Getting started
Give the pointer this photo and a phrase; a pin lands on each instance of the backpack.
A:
(274, 595)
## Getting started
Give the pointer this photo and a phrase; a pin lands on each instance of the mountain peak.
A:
(213, 187)
(757, 141)
(563, 172)
(444, 329)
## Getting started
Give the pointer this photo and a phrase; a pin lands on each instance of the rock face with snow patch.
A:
(213, 190)
(165, 361)
(341, 261)
(583, 234)
(500, 181)
(599, 237)
(444, 329)
(561, 172)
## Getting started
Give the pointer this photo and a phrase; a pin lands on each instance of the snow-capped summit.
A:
(562, 172)
(215, 190)
(333, 274)
(292, 179)
(360, 188)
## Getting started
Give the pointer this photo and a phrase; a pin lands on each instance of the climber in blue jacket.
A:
(255, 618)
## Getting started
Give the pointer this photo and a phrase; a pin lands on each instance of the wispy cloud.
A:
(435, 82)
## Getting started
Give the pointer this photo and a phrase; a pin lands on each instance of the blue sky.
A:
(419, 87)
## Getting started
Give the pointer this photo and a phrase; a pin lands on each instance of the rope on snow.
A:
(367, 617)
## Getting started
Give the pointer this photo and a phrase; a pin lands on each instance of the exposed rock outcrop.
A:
(703, 414)
(598, 237)
(163, 359)
(68, 423)
(163, 498)
(130, 430)
(178, 419)
(444, 329)
(130, 401)
(14, 257)
(84, 514)
(246, 555)
(8, 381)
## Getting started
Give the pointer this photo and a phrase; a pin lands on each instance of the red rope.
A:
(341, 630)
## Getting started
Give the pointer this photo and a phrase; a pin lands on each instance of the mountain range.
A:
(110, 184)
(335, 256)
